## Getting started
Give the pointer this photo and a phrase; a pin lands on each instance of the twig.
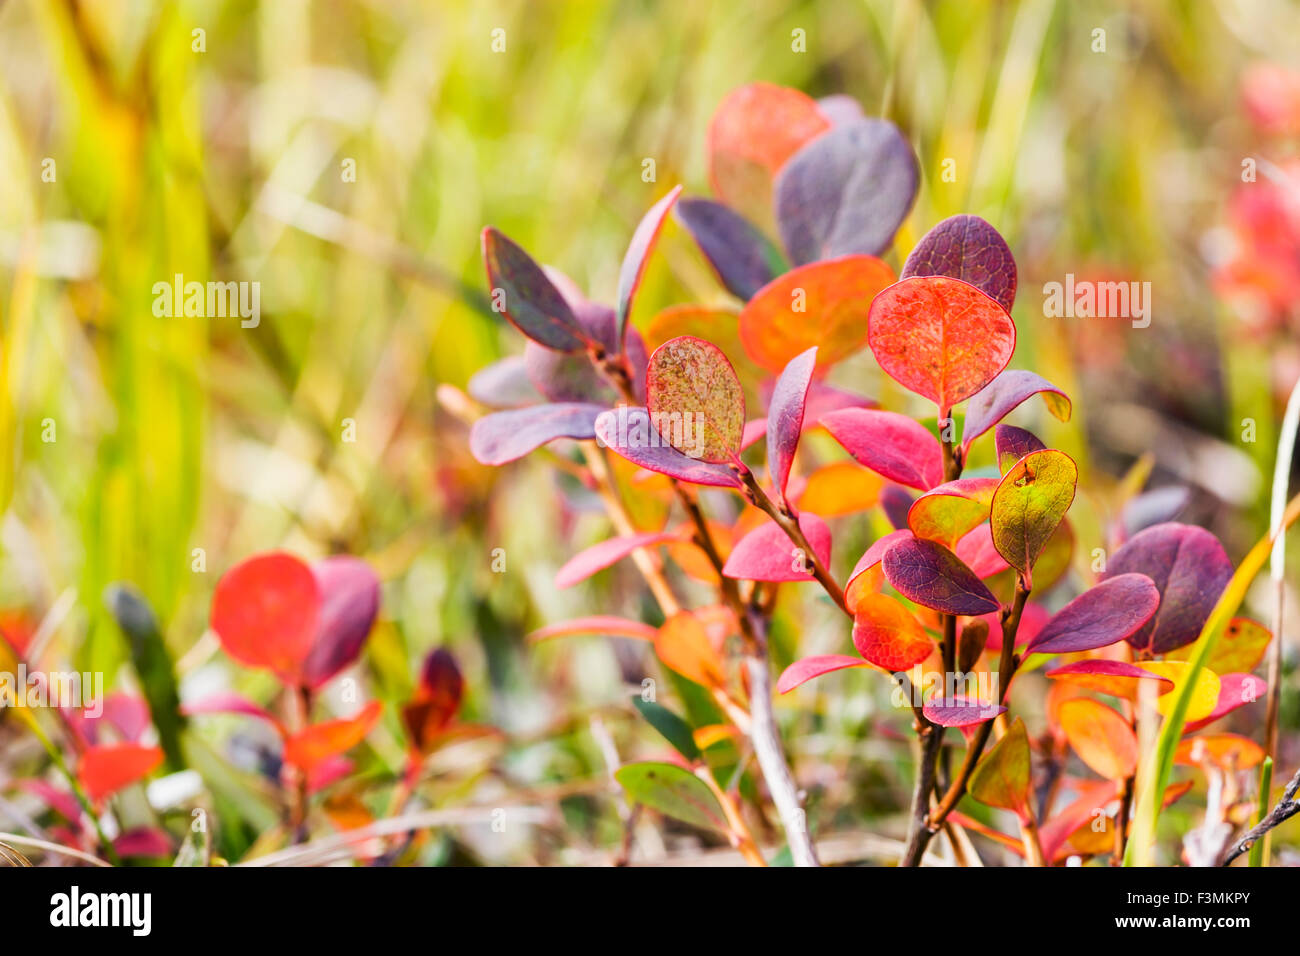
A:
(1282, 811)
(48, 847)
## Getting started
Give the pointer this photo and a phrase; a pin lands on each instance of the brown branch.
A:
(1284, 810)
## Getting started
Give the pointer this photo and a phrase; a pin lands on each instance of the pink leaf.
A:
(605, 624)
(600, 556)
(1003, 394)
(785, 416)
(767, 554)
(802, 671)
(960, 711)
(890, 444)
(638, 252)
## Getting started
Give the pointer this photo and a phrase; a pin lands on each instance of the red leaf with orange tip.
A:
(107, 768)
(942, 338)
(890, 444)
(307, 748)
(823, 304)
(266, 611)
(888, 635)
(683, 645)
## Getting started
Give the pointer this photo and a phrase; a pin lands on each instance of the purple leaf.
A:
(1100, 616)
(349, 593)
(531, 301)
(896, 504)
(889, 444)
(143, 841)
(931, 575)
(840, 108)
(600, 556)
(629, 433)
(1189, 568)
(503, 384)
(785, 416)
(767, 554)
(504, 436)
(846, 192)
(802, 671)
(997, 399)
(1153, 507)
(572, 376)
(1012, 444)
(960, 711)
(743, 258)
(638, 252)
(966, 248)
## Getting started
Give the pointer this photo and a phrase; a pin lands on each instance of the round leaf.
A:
(967, 248)
(695, 399)
(888, 635)
(1029, 505)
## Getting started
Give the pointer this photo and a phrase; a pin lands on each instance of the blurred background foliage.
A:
(228, 163)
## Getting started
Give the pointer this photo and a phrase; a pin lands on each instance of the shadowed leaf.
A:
(1012, 444)
(742, 257)
(931, 575)
(1189, 568)
(671, 727)
(503, 437)
(504, 384)
(1100, 616)
(960, 711)
(967, 248)
(349, 593)
(529, 299)
(154, 666)
(846, 192)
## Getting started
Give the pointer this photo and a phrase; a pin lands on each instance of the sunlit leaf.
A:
(823, 304)
(1226, 751)
(1205, 693)
(600, 556)
(802, 671)
(888, 635)
(683, 644)
(951, 510)
(266, 612)
(1029, 504)
(768, 554)
(840, 488)
(106, 768)
(690, 384)
(1102, 738)
(598, 624)
(942, 338)
(329, 738)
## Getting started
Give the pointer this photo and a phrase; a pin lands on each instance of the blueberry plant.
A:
(972, 583)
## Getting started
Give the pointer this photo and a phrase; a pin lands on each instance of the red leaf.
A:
(1012, 444)
(785, 418)
(767, 554)
(890, 444)
(436, 700)
(942, 338)
(266, 611)
(861, 580)
(107, 768)
(888, 635)
(802, 671)
(143, 841)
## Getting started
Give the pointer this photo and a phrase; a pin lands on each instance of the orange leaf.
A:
(683, 644)
(1102, 738)
(107, 768)
(1226, 751)
(888, 635)
(841, 488)
(309, 747)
